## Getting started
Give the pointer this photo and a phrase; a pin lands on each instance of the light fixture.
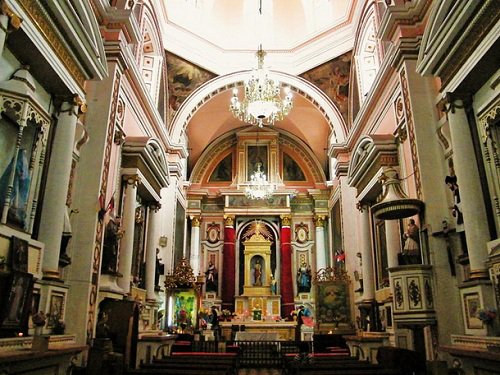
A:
(262, 104)
(259, 187)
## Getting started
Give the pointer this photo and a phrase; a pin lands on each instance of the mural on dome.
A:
(183, 78)
(332, 78)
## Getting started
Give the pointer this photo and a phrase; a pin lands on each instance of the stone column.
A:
(228, 263)
(195, 245)
(286, 281)
(54, 207)
(152, 245)
(366, 253)
(127, 242)
(319, 222)
(393, 242)
(471, 196)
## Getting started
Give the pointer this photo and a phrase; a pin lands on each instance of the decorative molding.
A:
(46, 27)
(411, 132)
(96, 266)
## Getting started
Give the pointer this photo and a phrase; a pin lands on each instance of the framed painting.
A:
(185, 308)
(333, 302)
(19, 254)
(256, 157)
(18, 306)
(56, 308)
(472, 305)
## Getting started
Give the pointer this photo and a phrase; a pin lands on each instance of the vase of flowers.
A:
(489, 317)
(226, 315)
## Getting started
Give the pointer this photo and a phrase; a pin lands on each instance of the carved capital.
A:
(155, 206)
(132, 179)
(319, 220)
(80, 104)
(286, 220)
(195, 221)
(119, 136)
(14, 20)
(452, 102)
(362, 207)
(228, 221)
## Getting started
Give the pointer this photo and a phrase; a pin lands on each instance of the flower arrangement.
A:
(226, 314)
(487, 316)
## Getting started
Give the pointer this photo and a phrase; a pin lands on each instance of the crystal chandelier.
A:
(262, 104)
(258, 186)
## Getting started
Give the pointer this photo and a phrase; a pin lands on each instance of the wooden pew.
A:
(217, 363)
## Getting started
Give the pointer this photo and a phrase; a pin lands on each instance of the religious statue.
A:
(358, 275)
(411, 236)
(20, 187)
(273, 285)
(257, 273)
(102, 328)
(211, 275)
(159, 269)
(451, 182)
(304, 278)
(110, 248)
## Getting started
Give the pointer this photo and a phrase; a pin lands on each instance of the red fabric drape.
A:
(228, 266)
(287, 304)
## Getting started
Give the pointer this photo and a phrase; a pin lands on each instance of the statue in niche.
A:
(20, 188)
(411, 236)
(112, 236)
(211, 274)
(257, 273)
(159, 269)
(451, 182)
(304, 278)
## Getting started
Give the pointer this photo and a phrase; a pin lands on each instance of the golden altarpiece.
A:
(258, 296)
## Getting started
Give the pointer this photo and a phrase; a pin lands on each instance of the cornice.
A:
(46, 27)
(408, 13)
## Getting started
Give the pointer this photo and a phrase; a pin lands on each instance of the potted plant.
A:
(59, 327)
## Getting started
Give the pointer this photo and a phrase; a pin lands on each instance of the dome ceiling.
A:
(222, 36)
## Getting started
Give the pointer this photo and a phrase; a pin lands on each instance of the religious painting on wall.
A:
(19, 254)
(472, 305)
(291, 170)
(223, 172)
(183, 78)
(332, 78)
(333, 302)
(17, 301)
(180, 214)
(337, 240)
(56, 310)
(256, 159)
(185, 309)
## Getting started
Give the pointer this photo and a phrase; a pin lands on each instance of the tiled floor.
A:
(259, 371)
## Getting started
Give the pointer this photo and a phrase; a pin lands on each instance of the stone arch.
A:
(217, 85)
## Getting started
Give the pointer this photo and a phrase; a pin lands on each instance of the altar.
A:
(260, 331)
